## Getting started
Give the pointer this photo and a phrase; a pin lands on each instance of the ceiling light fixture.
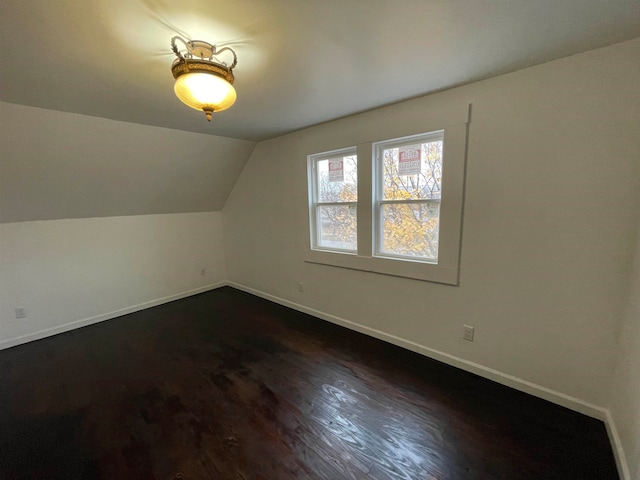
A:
(202, 82)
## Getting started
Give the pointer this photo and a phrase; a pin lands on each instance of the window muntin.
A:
(407, 197)
(452, 121)
(334, 200)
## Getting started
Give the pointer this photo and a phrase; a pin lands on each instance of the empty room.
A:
(320, 239)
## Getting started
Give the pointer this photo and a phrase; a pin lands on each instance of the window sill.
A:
(423, 271)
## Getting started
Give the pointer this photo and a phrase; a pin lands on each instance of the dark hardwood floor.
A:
(225, 385)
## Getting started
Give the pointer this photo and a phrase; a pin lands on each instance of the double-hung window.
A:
(333, 200)
(408, 191)
(393, 202)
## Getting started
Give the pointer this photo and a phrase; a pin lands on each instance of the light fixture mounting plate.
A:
(200, 49)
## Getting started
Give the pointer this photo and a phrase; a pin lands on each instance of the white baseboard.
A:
(12, 342)
(616, 444)
(545, 393)
(559, 398)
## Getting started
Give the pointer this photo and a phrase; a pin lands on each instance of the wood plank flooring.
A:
(225, 385)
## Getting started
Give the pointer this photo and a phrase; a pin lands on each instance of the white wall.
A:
(98, 218)
(550, 215)
(625, 402)
(67, 273)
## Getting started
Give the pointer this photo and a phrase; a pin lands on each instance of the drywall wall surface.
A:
(66, 271)
(625, 402)
(548, 229)
(58, 165)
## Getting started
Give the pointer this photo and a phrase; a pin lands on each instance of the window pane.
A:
(410, 230)
(337, 227)
(338, 179)
(412, 171)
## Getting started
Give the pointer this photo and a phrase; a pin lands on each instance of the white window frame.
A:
(378, 193)
(315, 202)
(392, 123)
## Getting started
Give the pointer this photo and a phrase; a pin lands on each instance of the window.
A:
(334, 200)
(408, 192)
(393, 203)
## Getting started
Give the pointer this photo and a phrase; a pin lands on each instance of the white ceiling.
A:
(301, 62)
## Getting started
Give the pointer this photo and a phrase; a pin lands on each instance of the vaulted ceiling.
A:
(301, 62)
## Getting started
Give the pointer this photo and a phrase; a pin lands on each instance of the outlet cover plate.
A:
(468, 332)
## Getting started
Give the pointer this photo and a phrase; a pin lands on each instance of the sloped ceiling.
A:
(57, 165)
(301, 62)
(66, 63)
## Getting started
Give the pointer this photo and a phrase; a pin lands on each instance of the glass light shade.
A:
(205, 91)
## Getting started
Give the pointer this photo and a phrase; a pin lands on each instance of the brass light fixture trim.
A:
(203, 82)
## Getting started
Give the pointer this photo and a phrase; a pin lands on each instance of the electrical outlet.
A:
(300, 287)
(21, 313)
(203, 272)
(467, 333)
